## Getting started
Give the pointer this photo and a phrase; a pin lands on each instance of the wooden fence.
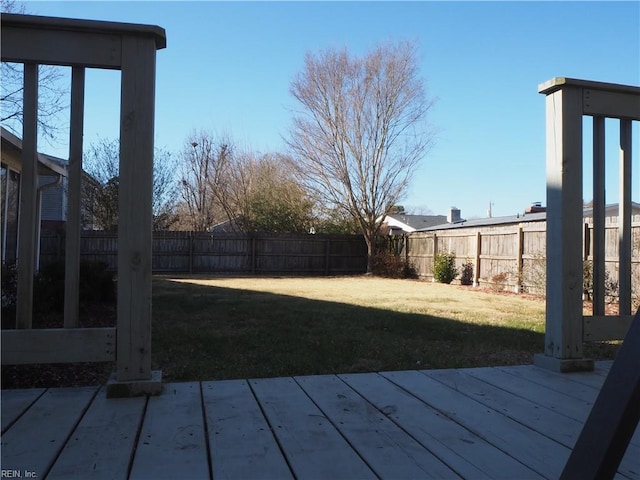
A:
(510, 256)
(197, 252)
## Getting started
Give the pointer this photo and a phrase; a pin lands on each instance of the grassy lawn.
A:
(220, 328)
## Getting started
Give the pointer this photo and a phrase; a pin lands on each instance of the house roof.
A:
(414, 222)
(483, 222)
(48, 165)
(519, 218)
(588, 212)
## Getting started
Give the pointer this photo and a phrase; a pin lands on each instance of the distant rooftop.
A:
(483, 222)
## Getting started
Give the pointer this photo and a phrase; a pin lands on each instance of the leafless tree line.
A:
(357, 137)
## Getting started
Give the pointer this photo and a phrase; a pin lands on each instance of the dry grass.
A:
(211, 328)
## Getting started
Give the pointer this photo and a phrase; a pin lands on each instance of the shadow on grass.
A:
(206, 332)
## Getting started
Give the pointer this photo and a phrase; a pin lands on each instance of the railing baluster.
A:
(72, 257)
(624, 219)
(28, 195)
(598, 257)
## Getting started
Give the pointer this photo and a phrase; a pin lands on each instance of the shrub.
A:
(499, 281)
(9, 285)
(534, 274)
(466, 273)
(444, 267)
(97, 286)
(386, 264)
(611, 285)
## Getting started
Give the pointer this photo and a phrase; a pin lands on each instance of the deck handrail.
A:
(81, 44)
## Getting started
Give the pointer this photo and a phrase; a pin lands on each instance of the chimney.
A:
(454, 215)
(535, 207)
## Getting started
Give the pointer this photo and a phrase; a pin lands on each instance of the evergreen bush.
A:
(444, 267)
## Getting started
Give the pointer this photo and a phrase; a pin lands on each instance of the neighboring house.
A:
(51, 172)
(401, 223)
(533, 213)
(227, 226)
(611, 212)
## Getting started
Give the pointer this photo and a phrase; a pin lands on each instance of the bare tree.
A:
(204, 161)
(101, 186)
(52, 91)
(361, 130)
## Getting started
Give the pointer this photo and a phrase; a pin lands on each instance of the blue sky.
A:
(228, 66)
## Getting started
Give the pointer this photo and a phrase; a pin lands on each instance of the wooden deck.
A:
(508, 422)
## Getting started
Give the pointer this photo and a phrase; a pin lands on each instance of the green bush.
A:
(386, 264)
(444, 267)
(466, 273)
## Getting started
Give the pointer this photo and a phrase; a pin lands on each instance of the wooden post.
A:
(624, 220)
(598, 244)
(134, 375)
(253, 254)
(435, 253)
(190, 252)
(476, 268)
(327, 257)
(519, 250)
(72, 257)
(563, 349)
(27, 222)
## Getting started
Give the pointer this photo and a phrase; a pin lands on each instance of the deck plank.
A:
(468, 454)
(15, 402)
(312, 446)
(386, 448)
(564, 404)
(576, 408)
(562, 429)
(571, 384)
(172, 442)
(241, 443)
(33, 443)
(535, 450)
(101, 446)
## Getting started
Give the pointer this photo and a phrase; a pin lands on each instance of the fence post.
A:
(519, 250)
(435, 253)
(253, 254)
(190, 252)
(476, 268)
(327, 259)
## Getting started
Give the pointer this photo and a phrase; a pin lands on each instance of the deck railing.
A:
(81, 44)
(567, 101)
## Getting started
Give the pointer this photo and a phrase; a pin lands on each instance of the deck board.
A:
(465, 452)
(16, 402)
(313, 447)
(241, 443)
(557, 427)
(387, 449)
(530, 447)
(172, 441)
(495, 422)
(102, 445)
(33, 442)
